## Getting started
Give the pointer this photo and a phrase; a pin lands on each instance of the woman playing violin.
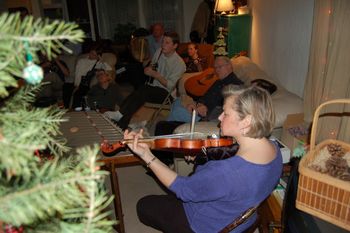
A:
(220, 190)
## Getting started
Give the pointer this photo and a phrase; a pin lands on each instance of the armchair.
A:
(204, 50)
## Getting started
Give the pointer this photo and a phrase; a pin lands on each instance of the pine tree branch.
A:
(41, 35)
(64, 195)
(26, 130)
(76, 188)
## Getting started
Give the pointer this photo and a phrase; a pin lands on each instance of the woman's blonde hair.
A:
(257, 103)
(109, 73)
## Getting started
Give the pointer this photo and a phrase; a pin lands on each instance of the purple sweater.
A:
(221, 190)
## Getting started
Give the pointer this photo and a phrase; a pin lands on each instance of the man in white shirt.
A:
(170, 67)
(84, 66)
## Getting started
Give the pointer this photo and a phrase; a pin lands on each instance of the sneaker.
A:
(116, 116)
(138, 125)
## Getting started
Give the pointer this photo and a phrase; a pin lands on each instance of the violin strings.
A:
(179, 135)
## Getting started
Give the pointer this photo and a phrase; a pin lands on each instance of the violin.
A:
(190, 146)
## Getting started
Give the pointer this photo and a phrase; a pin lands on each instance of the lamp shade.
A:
(224, 5)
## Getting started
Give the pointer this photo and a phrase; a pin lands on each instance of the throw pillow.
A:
(268, 86)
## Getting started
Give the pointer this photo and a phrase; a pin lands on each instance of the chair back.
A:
(240, 220)
(204, 50)
(139, 49)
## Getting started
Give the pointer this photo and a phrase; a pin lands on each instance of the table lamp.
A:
(223, 6)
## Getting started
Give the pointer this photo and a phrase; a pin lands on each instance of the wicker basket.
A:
(320, 194)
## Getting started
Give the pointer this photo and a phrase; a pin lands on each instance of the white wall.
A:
(280, 42)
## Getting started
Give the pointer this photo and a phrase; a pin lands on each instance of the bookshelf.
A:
(238, 29)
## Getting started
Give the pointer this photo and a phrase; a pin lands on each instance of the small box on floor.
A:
(285, 151)
(295, 131)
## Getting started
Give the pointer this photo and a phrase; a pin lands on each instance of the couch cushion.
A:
(284, 102)
(207, 128)
(264, 84)
(247, 71)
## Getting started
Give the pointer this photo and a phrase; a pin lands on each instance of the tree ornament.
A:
(33, 74)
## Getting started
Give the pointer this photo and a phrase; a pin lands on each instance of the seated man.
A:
(105, 94)
(170, 67)
(208, 107)
(156, 37)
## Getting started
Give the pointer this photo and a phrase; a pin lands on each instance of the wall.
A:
(189, 9)
(141, 13)
(281, 34)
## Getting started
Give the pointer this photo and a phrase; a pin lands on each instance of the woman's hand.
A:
(163, 172)
(139, 148)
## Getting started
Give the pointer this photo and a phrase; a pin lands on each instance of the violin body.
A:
(180, 145)
(199, 84)
(112, 149)
(119, 146)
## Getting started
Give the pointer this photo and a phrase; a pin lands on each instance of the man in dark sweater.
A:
(208, 107)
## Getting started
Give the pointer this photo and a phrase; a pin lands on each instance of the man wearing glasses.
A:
(208, 107)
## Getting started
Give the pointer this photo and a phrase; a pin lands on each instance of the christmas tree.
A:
(220, 45)
(62, 194)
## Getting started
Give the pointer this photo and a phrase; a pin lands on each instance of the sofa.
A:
(284, 101)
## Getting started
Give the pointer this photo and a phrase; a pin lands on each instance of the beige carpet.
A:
(134, 184)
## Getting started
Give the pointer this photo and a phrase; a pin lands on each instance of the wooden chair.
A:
(204, 50)
(242, 219)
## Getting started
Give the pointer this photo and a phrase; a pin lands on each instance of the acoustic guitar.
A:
(199, 84)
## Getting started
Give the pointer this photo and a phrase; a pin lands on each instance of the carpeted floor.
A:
(134, 184)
